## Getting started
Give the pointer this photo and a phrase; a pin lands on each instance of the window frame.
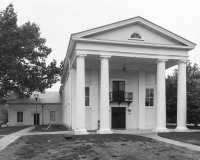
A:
(50, 116)
(20, 117)
(150, 97)
(137, 39)
(87, 96)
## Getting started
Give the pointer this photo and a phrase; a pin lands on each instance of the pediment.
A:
(122, 31)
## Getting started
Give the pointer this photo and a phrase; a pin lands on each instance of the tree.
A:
(23, 56)
(4, 113)
(193, 94)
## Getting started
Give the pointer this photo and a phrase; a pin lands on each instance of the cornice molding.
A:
(132, 43)
(131, 54)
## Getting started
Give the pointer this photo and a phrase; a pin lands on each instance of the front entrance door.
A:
(118, 118)
(38, 118)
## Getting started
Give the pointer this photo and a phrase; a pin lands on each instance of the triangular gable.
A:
(121, 31)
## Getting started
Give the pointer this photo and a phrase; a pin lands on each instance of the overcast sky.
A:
(58, 19)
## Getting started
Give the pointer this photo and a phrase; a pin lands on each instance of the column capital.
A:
(105, 56)
(161, 60)
(81, 55)
(183, 61)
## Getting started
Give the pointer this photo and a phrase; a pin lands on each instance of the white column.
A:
(161, 97)
(80, 95)
(181, 96)
(94, 96)
(104, 96)
(141, 99)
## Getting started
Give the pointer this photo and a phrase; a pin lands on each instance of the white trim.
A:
(134, 44)
(22, 119)
(50, 116)
(136, 39)
(134, 54)
(154, 98)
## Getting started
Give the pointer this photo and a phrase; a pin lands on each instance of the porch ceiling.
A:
(131, 63)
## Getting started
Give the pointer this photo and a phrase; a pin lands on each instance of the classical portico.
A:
(134, 97)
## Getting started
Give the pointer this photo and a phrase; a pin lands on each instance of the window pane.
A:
(151, 92)
(151, 101)
(121, 86)
(147, 102)
(87, 101)
(115, 86)
(52, 116)
(147, 92)
(87, 91)
(19, 116)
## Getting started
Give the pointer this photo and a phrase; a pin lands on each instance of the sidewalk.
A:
(178, 143)
(8, 139)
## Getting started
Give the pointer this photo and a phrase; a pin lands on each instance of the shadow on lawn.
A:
(112, 146)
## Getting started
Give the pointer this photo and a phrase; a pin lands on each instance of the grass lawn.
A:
(188, 137)
(41, 128)
(11, 129)
(95, 147)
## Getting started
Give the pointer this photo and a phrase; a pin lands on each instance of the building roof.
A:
(47, 97)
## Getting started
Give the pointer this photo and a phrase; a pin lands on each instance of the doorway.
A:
(118, 118)
(38, 118)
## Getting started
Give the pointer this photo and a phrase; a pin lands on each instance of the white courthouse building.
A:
(115, 74)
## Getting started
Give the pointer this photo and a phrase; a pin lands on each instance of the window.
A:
(118, 86)
(87, 96)
(19, 117)
(149, 100)
(52, 116)
(136, 36)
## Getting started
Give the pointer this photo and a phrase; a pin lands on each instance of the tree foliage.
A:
(4, 113)
(193, 94)
(23, 56)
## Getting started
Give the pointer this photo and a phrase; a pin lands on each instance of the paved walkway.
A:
(8, 139)
(153, 135)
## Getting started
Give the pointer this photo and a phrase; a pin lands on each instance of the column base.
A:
(80, 131)
(181, 129)
(160, 129)
(105, 131)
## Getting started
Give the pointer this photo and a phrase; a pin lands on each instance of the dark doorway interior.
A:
(118, 118)
(38, 118)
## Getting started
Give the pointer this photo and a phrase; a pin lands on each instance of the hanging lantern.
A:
(124, 69)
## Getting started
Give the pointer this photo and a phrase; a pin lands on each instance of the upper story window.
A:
(135, 36)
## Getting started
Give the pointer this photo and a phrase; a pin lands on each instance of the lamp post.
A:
(42, 113)
(36, 95)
